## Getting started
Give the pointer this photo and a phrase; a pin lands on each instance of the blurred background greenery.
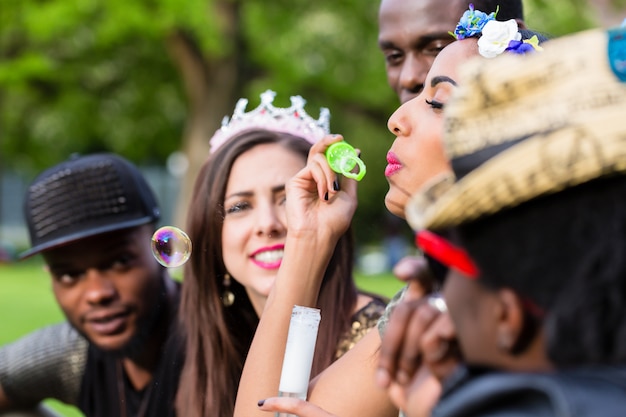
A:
(151, 78)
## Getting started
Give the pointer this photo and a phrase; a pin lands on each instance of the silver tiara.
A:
(293, 120)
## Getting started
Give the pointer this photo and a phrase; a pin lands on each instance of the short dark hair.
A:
(564, 252)
(507, 9)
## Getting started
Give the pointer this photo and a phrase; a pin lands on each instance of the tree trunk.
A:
(211, 87)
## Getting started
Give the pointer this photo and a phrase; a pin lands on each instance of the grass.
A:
(26, 304)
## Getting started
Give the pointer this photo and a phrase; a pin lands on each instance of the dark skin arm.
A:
(5, 403)
(419, 342)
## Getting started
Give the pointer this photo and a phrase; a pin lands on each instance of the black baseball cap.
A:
(86, 196)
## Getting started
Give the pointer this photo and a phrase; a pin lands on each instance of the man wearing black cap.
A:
(92, 219)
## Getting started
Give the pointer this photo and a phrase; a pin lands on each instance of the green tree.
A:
(150, 77)
(147, 78)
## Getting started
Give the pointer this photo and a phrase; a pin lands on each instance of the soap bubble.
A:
(171, 246)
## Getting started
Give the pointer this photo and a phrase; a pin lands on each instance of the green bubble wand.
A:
(342, 158)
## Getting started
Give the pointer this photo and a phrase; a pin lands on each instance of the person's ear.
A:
(510, 320)
(521, 24)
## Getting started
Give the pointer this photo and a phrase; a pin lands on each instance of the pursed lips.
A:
(393, 164)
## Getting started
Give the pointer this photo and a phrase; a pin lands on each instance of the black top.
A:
(102, 385)
(582, 392)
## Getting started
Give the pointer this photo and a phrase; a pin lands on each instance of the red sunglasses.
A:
(444, 252)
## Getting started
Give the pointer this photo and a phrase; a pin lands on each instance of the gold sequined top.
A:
(362, 321)
(382, 323)
(47, 363)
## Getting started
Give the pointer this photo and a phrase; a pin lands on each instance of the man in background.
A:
(118, 353)
(412, 32)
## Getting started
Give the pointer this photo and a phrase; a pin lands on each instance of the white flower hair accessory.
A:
(495, 37)
(293, 120)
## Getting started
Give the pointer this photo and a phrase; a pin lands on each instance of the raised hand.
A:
(419, 344)
(320, 202)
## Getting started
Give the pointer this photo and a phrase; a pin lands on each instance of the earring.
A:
(228, 298)
(505, 342)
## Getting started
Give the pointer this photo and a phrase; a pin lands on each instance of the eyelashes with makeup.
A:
(237, 207)
(245, 205)
(435, 104)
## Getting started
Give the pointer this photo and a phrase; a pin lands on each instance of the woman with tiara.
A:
(237, 222)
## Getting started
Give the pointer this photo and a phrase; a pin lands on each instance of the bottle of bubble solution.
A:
(296, 371)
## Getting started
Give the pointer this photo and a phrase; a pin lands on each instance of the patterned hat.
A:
(523, 127)
(86, 196)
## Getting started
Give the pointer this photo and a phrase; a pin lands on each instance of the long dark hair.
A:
(567, 254)
(218, 337)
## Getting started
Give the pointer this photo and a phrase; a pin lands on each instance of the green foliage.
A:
(81, 77)
(328, 53)
(86, 75)
(331, 48)
(557, 18)
(89, 75)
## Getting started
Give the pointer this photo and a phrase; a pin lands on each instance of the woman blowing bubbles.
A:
(238, 226)
(415, 157)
